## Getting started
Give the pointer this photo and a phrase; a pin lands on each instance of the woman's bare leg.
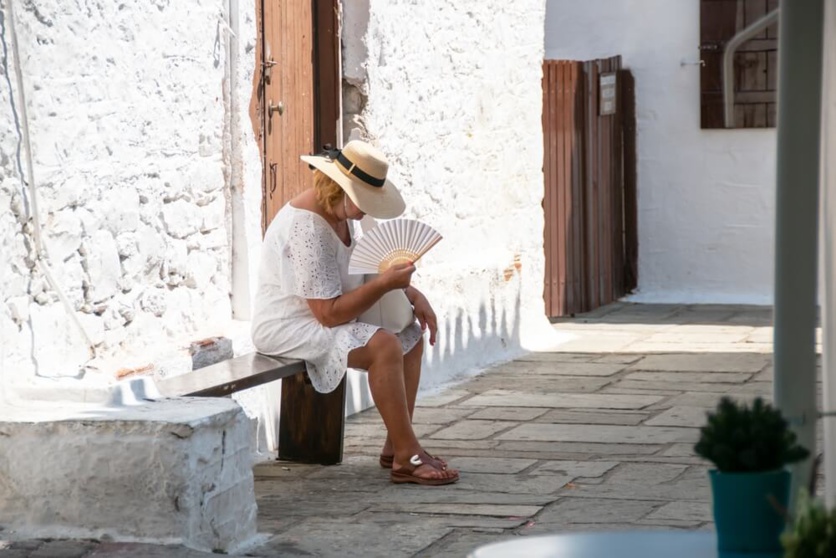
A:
(412, 377)
(383, 358)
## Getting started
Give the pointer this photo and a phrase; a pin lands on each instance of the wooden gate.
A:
(589, 168)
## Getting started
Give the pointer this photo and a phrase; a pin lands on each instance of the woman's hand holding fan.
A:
(398, 241)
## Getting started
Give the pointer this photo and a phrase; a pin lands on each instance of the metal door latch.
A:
(271, 108)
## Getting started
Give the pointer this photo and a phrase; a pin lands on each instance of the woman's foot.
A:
(418, 471)
(387, 457)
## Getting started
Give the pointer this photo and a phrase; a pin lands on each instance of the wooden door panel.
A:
(289, 100)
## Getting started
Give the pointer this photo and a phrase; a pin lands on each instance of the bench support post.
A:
(311, 424)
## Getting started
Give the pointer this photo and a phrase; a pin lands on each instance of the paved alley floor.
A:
(597, 435)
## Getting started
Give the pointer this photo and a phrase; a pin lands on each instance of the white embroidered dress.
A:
(303, 258)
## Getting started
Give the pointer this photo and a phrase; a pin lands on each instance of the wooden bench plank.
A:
(231, 375)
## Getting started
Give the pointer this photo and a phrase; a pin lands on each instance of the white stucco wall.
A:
(705, 197)
(146, 168)
(453, 97)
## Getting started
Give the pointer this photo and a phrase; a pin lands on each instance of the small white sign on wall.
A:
(606, 93)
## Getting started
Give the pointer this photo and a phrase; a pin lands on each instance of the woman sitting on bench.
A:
(307, 304)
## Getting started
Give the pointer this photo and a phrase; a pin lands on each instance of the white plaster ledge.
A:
(171, 471)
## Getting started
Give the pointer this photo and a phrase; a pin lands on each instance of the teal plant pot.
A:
(750, 512)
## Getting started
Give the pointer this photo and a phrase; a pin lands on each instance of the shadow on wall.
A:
(466, 344)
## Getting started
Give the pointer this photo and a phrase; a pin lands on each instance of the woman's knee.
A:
(385, 346)
(383, 349)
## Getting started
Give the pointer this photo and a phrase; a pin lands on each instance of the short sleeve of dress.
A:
(311, 253)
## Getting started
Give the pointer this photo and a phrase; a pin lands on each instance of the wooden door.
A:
(589, 173)
(288, 100)
(297, 98)
(299, 92)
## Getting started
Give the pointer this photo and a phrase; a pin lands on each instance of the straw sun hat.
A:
(360, 170)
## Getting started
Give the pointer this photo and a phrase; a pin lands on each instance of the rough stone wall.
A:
(130, 122)
(451, 92)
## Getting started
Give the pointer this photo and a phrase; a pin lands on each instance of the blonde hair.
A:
(328, 192)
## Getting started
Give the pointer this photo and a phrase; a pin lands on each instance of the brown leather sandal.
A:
(407, 474)
(387, 460)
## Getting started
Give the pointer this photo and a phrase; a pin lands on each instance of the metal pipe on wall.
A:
(828, 236)
(728, 61)
(796, 239)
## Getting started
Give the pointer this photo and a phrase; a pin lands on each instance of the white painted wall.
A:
(706, 198)
(453, 97)
(145, 166)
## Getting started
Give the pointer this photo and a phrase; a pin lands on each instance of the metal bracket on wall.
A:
(267, 69)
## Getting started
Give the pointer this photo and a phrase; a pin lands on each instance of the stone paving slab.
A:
(702, 348)
(349, 538)
(576, 469)
(683, 511)
(508, 414)
(680, 416)
(578, 448)
(600, 433)
(491, 510)
(664, 387)
(599, 416)
(579, 510)
(702, 363)
(548, 367)
(646, 474)
(416, 496)
(501, 465)
(689, 378)
(555, 357)
(604, 341)
(473, 430)
(522, 484)
(540, 383)
(507, 398)
(692, 490)
(706, 400)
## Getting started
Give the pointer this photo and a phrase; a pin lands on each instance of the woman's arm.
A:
(344, 308)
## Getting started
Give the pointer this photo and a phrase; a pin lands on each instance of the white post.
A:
(828, 190)
(797, 214)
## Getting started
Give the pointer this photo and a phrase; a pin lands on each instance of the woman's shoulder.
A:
(294, 222)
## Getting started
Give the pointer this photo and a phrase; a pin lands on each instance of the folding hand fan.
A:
(391, 243)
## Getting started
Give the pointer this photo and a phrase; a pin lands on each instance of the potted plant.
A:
(813, 530)
(750, 447)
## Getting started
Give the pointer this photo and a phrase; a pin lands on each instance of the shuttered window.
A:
(755, 63)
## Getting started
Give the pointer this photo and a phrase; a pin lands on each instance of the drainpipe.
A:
(239, 258)
(828, 235)
(728, 61)
(37, 240)
(796, 251)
